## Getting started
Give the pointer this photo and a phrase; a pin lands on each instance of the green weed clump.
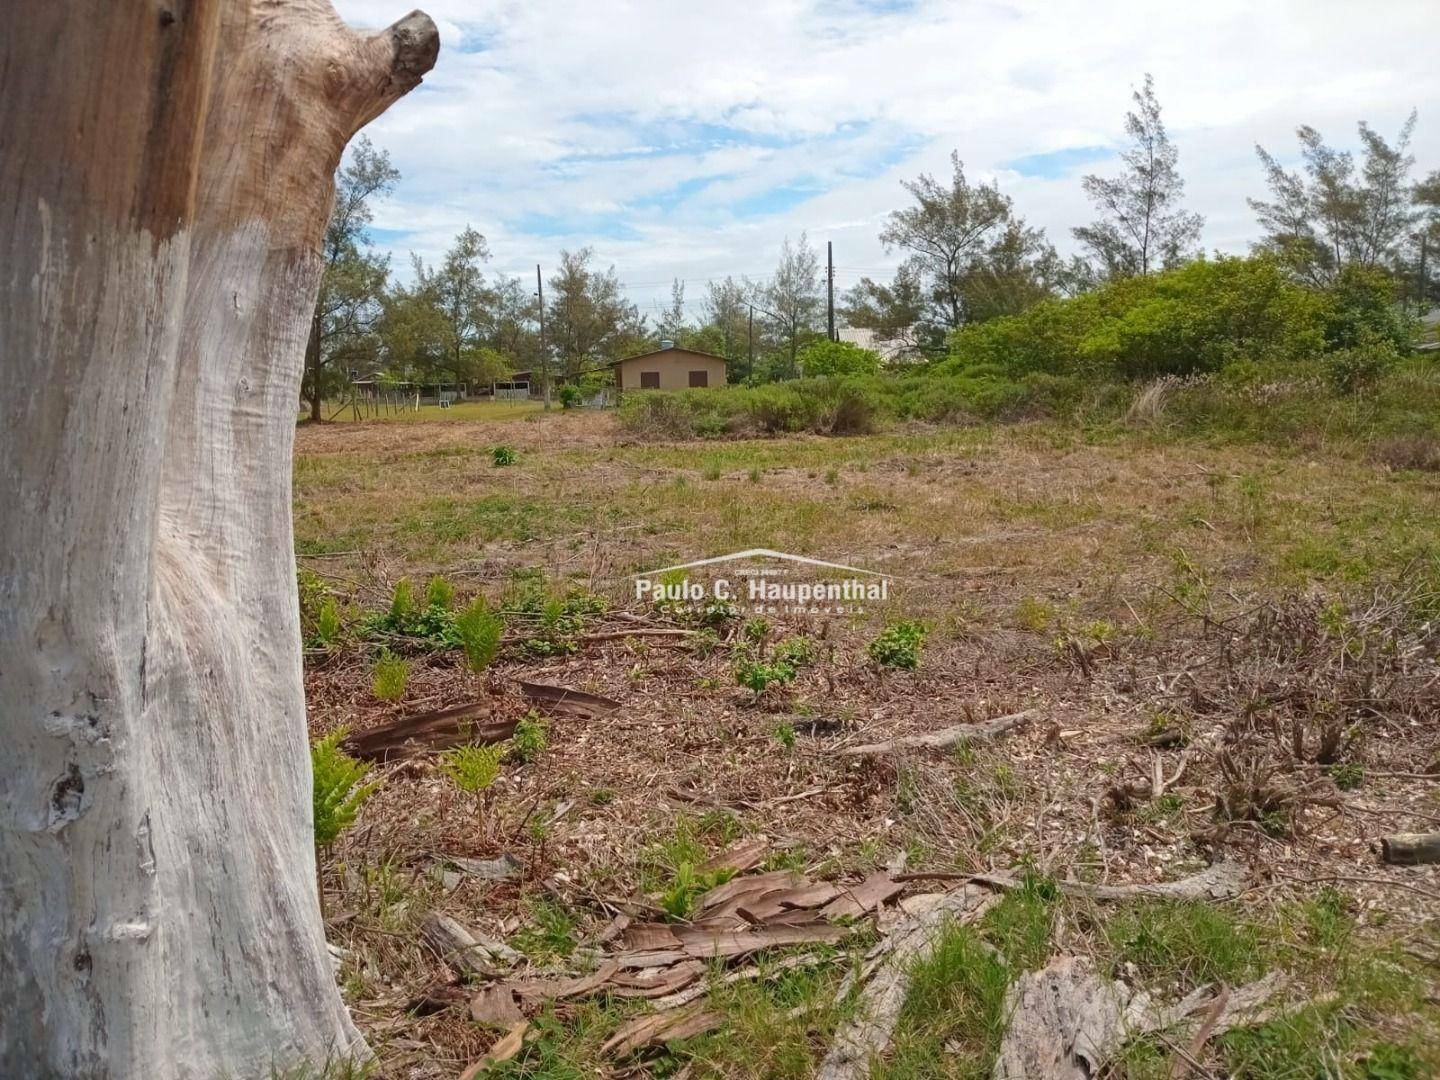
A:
(554, 620)
(320, 622)
(338, 791)
(898, 645)
(472, 769)
(758, 676)
(431, 624)
(530, 737)
(688, 885)
(389, 676)
(502, 456)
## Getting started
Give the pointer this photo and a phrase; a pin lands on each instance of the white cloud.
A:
(559, 124)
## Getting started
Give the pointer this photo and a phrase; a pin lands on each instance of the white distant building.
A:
(890, 352)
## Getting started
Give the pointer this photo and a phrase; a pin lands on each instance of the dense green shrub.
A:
(1360, 309)
(824, 406)
(1188, 320)
(827, 359)
(1195, 319)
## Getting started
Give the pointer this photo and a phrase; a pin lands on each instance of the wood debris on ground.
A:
(425, 732)
(1067, 1022)
(669, 963)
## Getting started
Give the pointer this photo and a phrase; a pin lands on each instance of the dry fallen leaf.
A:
(505, 1048)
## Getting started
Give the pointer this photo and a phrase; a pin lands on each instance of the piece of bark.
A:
(857, 900)
(613, 929)
(564, 701)
(1410, 849)
(659, 982)
(437, 730)
(776, 903)
(495, 1006)
(1065, 1023)
(653, 1029)
(705, 944)
(960, 734)
(1183, 1065)
(867, 1034)
(1222, 881)
(699, 988)
(537, 990)
(505, 1048)
(641, 937)
(499, 869)
(650, 958)
(461, 947)
(738, 888)
(740, 857)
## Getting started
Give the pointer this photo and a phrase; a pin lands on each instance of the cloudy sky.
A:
(687, 139)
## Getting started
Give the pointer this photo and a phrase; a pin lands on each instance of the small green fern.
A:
(472, 768)
(439, 593)
(479, 630)
(402, 601)
(339, 792)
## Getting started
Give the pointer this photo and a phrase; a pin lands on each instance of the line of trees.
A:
(454, 322)
(969, 257)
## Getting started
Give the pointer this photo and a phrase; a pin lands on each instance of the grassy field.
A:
(484, 411)
(1247, 619)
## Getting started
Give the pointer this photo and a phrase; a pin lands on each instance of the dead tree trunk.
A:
(165, 177)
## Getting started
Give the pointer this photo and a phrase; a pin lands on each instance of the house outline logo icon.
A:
(759, 553)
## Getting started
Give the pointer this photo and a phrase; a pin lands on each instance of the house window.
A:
(699, 378)
(649, 380)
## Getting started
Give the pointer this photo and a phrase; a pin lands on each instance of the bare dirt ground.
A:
(1219, 645)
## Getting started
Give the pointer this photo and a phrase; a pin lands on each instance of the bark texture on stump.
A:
(165, 177)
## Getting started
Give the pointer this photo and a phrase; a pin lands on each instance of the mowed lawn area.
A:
(1245, 622)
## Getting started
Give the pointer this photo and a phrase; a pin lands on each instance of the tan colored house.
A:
(669, 368)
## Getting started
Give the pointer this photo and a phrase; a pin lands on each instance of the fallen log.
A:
(1410, 849)
(567, 702)
(427, 731)
(868, 1034)
(960, 734)
(1223, 880)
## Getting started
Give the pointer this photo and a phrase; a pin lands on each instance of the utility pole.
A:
(750, 367)
(830, 287)
(1424, 282)
(544, 356)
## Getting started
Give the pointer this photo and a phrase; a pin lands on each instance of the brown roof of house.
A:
(672, 348)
